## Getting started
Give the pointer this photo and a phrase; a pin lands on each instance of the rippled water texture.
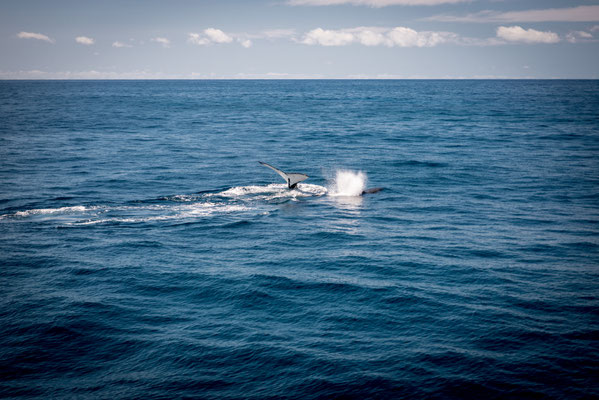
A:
(145, 253)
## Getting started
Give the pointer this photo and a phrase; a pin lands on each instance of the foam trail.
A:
(42, 211)
(348, 183)
(272, 191)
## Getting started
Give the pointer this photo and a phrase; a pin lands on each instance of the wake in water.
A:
(90, 215)
(273, 191)
(239, 199)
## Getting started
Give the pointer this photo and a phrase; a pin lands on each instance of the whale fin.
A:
(291, 178)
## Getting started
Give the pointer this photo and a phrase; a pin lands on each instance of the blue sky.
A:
(183, 39)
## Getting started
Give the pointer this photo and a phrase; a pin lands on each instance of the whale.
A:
(373, 190)
(293, 178)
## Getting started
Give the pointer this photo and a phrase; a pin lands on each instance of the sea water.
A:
(145, 253)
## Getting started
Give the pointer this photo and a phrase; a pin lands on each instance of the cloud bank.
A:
(368, 36)
(209, 36)
(518, 34)
(578, 36)
(87, 41)
(216, 36)
(37, 36)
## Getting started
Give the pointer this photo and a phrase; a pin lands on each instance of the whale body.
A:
(373, 190)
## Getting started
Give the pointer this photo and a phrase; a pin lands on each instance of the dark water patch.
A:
(261, 300)
(329, 236)
(237, 224)
(83, 271)
(419, 163)
(542, 249)
(487, 253)
(281, 283)
(132, 244)
(582, 245)
(63, 198)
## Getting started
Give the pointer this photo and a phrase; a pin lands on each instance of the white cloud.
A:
(217, 36)
(406, 37)
(372, 3)
(32, 35)
(570, 14)
(209, 36)
(328, 37)
(371, 37)
(84, 40)
(578, 36)
(196, 38)
(120, 44)
(518, 34)
(594, 28)
(247, 43)
(368, 36)
(163, 41)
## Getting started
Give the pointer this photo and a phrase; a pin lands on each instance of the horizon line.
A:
(301, 79)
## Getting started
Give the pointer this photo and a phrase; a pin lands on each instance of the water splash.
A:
(348, 183)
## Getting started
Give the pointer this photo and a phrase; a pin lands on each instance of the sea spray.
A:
(348, 183)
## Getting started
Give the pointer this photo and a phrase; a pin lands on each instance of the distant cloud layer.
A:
(578, 36)
(399, 36)
(372, 3)
(120, 44)
(247, 43)
(87, 41)
(162, 40)
(518, 34)
(32, 35)
(216, 36)
(570, 14)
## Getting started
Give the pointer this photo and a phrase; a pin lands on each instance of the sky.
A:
(299, 39)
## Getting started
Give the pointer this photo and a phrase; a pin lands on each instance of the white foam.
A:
(274, 191)
(178, 213)
(242, 198)
(246, 190)
(181, 197)
(348, 183)
(205, 209)
(61, 210)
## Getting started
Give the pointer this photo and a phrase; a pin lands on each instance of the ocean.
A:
(146, 254)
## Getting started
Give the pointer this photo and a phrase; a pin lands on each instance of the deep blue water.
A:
(146, 254)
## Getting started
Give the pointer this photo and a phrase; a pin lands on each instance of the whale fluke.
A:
(373, 190)
(291, 178)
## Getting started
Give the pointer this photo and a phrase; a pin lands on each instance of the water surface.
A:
(145, 253)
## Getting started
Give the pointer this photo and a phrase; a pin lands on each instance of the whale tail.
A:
(291, 178)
